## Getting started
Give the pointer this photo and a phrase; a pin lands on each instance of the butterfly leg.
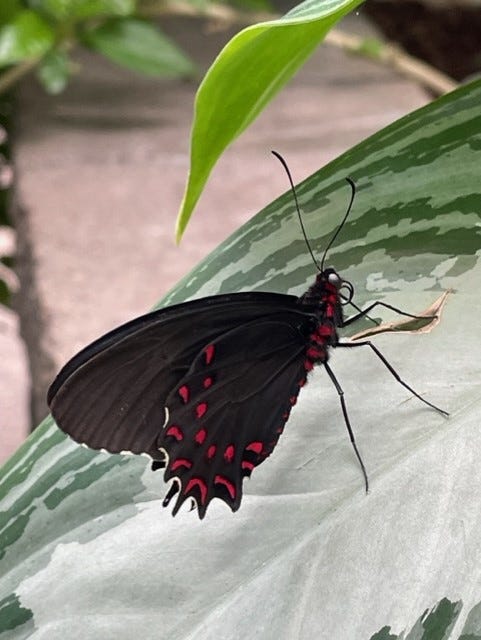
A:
(347, 422)
(364, 313)
(392, 370)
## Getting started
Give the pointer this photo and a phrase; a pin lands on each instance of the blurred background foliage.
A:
(41, 35)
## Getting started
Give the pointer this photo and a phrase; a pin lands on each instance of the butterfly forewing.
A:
(113, 394)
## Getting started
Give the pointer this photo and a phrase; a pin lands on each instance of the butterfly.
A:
(206, 387)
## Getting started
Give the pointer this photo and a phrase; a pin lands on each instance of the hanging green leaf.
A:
(246, 75)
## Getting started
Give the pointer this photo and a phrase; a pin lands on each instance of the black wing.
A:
(112, 395)
(226, 414)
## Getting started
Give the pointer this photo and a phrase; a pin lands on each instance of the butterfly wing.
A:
(112, 395)
(226, 413)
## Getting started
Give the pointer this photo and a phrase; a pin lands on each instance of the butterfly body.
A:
(204, 388)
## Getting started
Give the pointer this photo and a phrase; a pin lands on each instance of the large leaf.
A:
(88, 551)
(246, 75)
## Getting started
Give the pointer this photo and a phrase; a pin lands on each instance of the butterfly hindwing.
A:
(227, 413)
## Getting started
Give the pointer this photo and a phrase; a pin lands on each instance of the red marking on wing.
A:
(227, 484)
(184, 393)
(175, 432)
(255, 446)
(209, 353)
(197, 482)
(301, 382)
(245, 464)
(293, 400)
(229, 453)
(200, 436)
(211, 451)
(201, 409)
(181, 462)
(207, 382)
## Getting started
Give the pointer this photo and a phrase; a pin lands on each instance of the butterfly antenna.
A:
(331, 241)
(293, 189)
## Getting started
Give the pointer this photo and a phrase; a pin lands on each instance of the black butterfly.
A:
(206, 387)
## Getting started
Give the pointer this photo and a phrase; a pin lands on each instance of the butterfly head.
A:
(329, 293)
(331, 280)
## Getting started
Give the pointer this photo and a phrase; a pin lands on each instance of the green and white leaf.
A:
(87, 550)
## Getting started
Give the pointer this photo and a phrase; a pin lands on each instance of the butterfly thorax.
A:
(324, 298)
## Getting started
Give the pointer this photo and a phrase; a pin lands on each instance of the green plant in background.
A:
(41, 35)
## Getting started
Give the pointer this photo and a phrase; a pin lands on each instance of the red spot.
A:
(285, 415)
(211, 451)
(200, 409)
(255, 446)
(227, 484)
(229, 453)
(200, 436)
(209, 352)
(207, 382)
(247, 465)
(184, 393)
(175, 432)
(293, 400)
(180, 462)
(308, 366)
(301, 382)
(197, 482)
